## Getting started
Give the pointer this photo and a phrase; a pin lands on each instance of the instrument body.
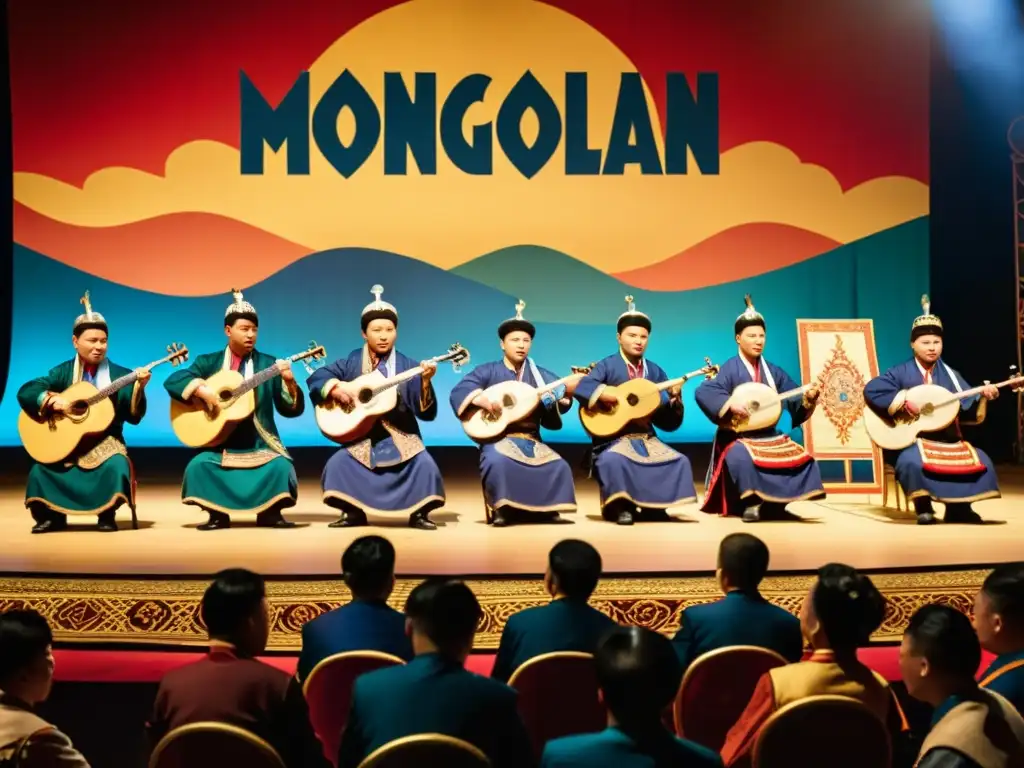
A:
(763, 404)
(637, 400)
(517, 400)
(197, 427)
(373, 395)
(937, 409)
(52, 437)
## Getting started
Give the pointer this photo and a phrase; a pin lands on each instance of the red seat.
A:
(716, 689)
(558, 696)
(328, 691)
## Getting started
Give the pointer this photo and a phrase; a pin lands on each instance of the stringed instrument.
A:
(373, 394)
(198, 427)
(763, 404)
(937, 406)
(638, 399)
(515, 400)
(52, 437)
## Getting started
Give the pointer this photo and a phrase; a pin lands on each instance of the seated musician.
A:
(939, 466)
(636, 472)
(389, 470)
(758, 473)
(97, 478)
(251, 471)
(521, 475)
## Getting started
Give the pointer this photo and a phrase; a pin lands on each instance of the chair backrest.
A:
(836, 731)
(716, 689)
(213, 745)
(558, 696)
(328, 691)
(427, 749)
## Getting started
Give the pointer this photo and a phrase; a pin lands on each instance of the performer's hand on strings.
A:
(910, 408)
(608, 399)
(341, 396)
(812, 394)
(676, 392)
(58, 405)
(429, 369)
(285, 367)
(484, 404)
(739, 411)
(143, 376)
(209, 398)
(990, 392)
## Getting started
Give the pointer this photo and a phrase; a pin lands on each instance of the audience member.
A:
(838, 616)
(743, 617)
(971, 727)
(999, 620)
(230, 685)
(26, 675)
(367, 623)
(434, 693)
(638, 673)
(567, 623)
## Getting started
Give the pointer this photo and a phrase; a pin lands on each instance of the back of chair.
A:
(427, 749)
(716, 689)
(823, 730)
(213, 745)
(558, 696)
(328, 691)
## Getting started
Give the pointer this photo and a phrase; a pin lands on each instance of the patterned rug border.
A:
(166, 611)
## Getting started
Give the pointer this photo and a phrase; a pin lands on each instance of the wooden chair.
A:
(889, 473)
(836, 731)
(716, 689)
(558, 696)
(213, 745)
(328, 692)
(424, 750)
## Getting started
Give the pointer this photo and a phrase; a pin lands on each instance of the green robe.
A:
(97, 478)
(251, 471)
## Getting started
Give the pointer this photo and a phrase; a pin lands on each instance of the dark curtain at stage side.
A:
(971, 232)
(7, 214)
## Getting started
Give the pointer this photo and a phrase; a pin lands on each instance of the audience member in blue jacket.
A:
(367, 623)
(567, 623)
(434, 693)
(999, 621)
(742, 617)
(638, 674)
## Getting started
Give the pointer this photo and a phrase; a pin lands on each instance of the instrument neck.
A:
(553, 385)
(404, 376)
(679, 380)
(263, 376)
(975, 391)
(122, 382)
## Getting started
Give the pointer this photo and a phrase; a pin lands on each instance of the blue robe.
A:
(733, 479)
(389, 470)
(518, 470)
(887, 392)
(635, 465)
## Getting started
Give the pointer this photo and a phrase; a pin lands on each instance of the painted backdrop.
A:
(464, 154)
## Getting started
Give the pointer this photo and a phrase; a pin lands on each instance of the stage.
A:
(143, 586)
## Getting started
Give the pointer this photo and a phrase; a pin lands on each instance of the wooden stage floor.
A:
(143, 585)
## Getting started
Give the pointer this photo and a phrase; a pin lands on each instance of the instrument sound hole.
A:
(224, 395)
(632, 399)
(508, 401)
(754, 405)
(365, 395)
(927, 409)
(78, 408)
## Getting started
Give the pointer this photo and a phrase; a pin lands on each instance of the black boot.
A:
(351, 517)
(419, 519)
(961, 513)
(272, 518)
(218, 521)
(925, 513)
(105, 522)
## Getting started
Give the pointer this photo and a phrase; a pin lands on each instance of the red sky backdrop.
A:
(124, 82)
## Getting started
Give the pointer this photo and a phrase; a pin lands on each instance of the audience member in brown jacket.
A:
(971, 727)
(26, 674)
(230, 685)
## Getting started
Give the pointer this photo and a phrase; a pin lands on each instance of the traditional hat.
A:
(377, 309)
(239, 309)
(89, 319)
(926, 323)
(749, 318)
(517, 323)
(632, 317)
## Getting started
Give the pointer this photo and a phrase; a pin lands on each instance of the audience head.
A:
(842, 610)
(999, 610)
(26, 656)
(368, 567)
(940, 654)
(638, 672)
(574, 568)
(441, 617)
(235, 610)
(742, 562)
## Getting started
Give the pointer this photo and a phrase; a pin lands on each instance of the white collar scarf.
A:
(534, 371)
(764, 367)
(940, 361)
(102, 372)
(389, 364)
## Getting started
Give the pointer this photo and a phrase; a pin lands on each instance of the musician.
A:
(251, 471)
(97, 478)
(636, 472)
(389, 471)
(755, 474)
(521, 475)
(939, 466)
